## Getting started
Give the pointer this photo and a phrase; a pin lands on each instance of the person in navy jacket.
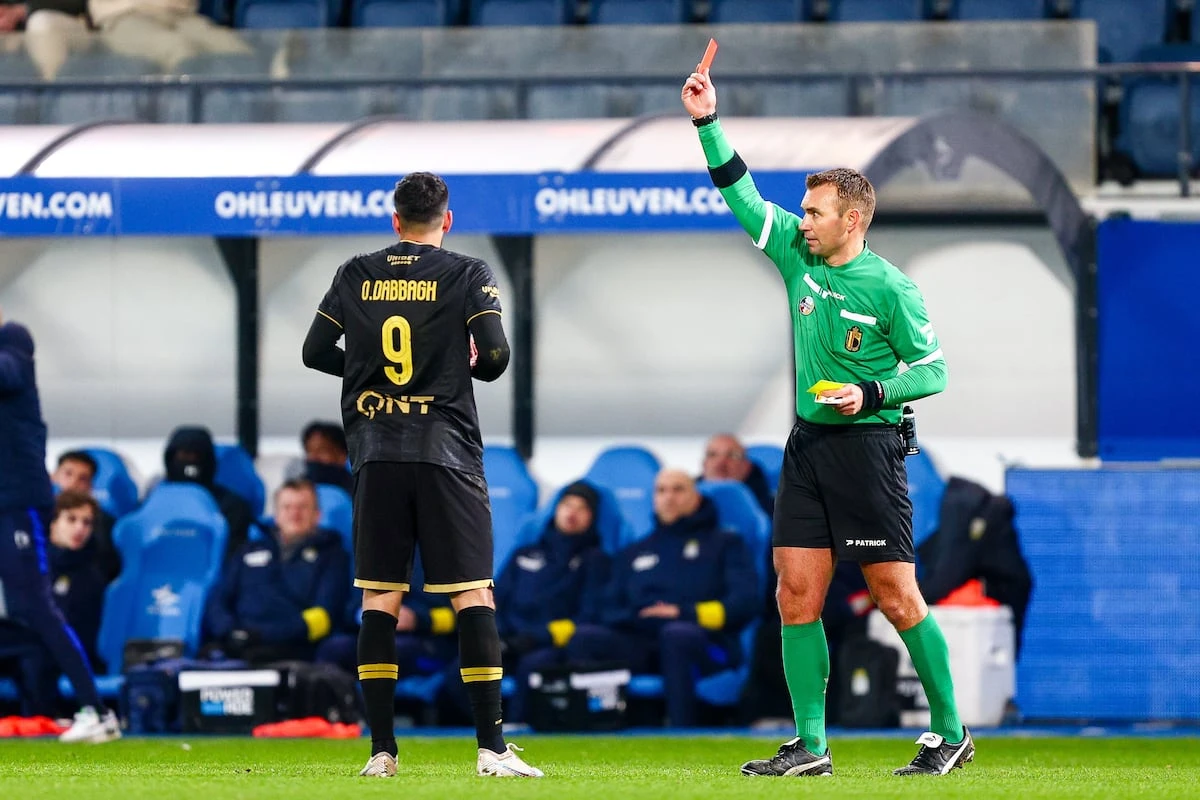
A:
(548, 588)
(77, 567)
(678, 598)
(278, 596)
(26, 499)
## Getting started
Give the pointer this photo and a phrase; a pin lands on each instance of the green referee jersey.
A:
(854, 322)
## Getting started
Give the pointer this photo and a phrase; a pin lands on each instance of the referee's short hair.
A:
(853, 189)
(421, 198)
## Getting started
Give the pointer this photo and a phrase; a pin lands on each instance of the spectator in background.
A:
(326, 456)
(163, 31)
(278, 596)
(76, 472)
(549, 588)
(191, 457)
(725, 459)
(677, 600)
(53, 30)
(77, 575)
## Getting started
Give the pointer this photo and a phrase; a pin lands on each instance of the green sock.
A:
(930, 655)
(806, 667)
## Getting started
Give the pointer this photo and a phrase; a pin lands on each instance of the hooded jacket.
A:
(24, 483)
(709, 573)
(561, 577)
(203, 471)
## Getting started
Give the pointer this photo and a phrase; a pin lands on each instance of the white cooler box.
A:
(982, 663)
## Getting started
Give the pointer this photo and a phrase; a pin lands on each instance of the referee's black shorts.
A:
(401, 506)
(845, 488)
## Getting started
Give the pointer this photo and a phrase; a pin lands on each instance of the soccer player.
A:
(25, 503)
(843, 492)
(420, 322)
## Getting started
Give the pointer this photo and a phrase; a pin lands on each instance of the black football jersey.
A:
(406, 391)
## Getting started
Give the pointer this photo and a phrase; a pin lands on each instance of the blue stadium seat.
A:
(400, 13)
(629, 473)
(925, 490)
(638, 12)
(769, 458)
(112, 487)
(236, 472)
(756, 11)
(282, 14)
(876, 10)
(1123, 28)
(610, 523)
(1149, 116)
(739, 511)
(513, 494)
(171, 550)
(337, 512)
(997, 9)
(521, 12)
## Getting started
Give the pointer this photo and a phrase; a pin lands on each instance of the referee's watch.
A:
(707, 119)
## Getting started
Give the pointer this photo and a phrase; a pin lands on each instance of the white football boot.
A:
(504, 765)
(92, 727)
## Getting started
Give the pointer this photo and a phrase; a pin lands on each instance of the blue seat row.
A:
(1124, 27)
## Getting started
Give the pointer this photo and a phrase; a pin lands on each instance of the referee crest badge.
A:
(854, 339)
(807, 305)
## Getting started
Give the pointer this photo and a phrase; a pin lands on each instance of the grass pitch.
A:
(588, 768)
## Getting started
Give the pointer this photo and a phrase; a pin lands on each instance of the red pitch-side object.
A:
(709, 54)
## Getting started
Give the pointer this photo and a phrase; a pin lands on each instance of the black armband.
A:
(728, 173)
(707, 119)
(872, 395)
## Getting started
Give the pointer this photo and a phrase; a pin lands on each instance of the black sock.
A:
(377, 672)
(479, 653)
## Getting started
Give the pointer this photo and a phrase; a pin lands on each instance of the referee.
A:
(843, 491)
(420, 322)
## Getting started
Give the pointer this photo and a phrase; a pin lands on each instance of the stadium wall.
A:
(639, 337)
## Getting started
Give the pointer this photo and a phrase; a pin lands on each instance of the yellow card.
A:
(823, 385)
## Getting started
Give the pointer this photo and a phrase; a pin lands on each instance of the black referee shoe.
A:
(792, 760)
(937, 756)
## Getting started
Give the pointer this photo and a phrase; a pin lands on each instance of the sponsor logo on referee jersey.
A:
(491, 291)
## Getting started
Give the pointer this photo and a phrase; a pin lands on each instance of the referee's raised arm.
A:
(766, 224)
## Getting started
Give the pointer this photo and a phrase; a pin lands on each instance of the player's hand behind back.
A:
(699, 95)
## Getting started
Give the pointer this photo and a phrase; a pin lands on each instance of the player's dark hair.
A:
(83, 457)
(853, 189)
(328, 430)
(421, 199)
(69, 501)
